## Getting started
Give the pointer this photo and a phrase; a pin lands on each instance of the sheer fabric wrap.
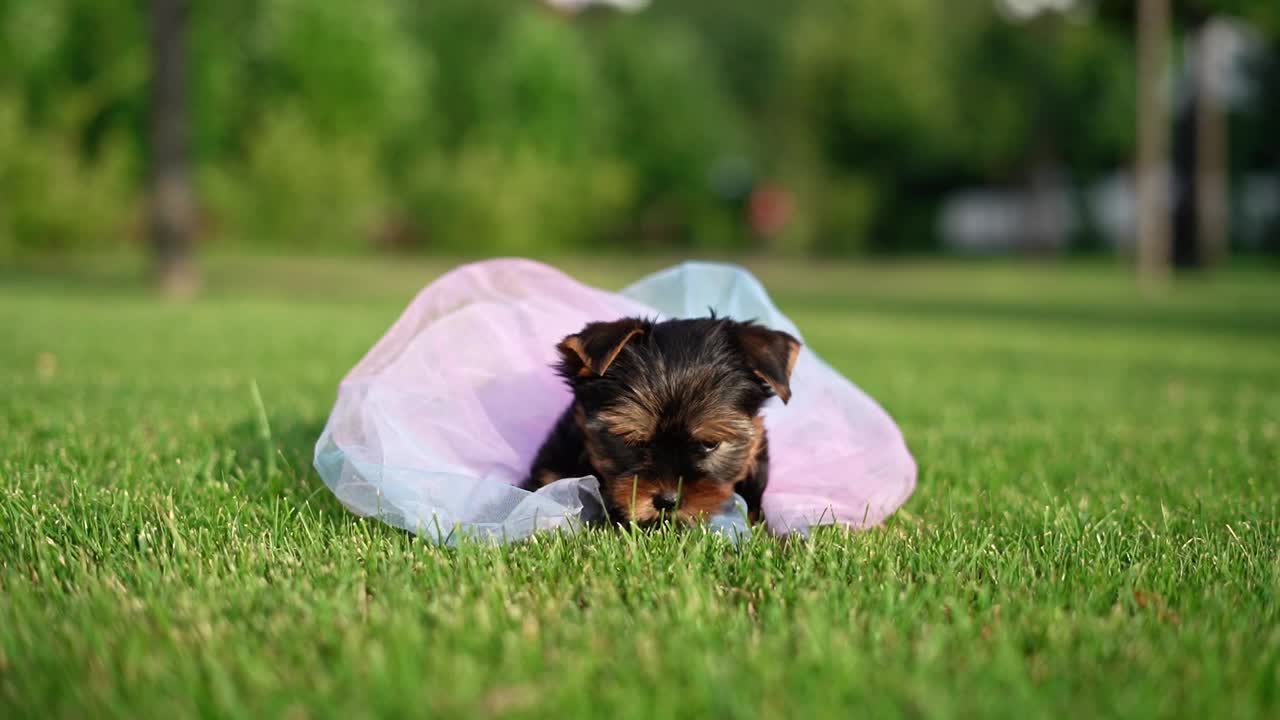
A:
(436, 426)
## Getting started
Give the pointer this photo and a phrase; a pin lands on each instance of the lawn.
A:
(1096, 529)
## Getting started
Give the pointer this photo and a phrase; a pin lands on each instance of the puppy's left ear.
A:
(772, 354)
(592, 350)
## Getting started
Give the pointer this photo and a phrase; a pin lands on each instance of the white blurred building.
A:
(996, 220)
(573, 6)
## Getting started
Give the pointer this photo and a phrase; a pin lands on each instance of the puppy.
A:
(666, 414)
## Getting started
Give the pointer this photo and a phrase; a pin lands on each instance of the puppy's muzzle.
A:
(666, 501)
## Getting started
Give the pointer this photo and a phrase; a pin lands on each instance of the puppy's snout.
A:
(665, 501)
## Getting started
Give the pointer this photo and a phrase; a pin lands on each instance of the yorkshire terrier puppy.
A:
(667, 414)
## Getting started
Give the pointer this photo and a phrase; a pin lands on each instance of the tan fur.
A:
(759, 344)
(630, 421)
(721, 424)
(545, 477)
(573, 344)
(781, 391)
(696, 501)
(643, 490)
(753, 449)
(598, 459)
(704, 499)
(604, 365)
(791, 359)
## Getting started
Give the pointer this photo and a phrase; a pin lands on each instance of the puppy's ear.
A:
(772, 354)
(596, 346)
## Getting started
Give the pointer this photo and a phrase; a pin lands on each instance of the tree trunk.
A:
(1153, 142)
(171, 199)
(1212, 210)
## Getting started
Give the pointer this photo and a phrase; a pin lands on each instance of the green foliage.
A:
(916, 101)
(71, 95)
(52, 197)
(539, 92)
(498, 125)
(299, 190)
(673, 122)
(876, 72)
(519, 200)
(1094, 534)
(532, 170)
(844, 211)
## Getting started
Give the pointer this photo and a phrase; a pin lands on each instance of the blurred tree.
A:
(1153, 240)
(672, 121)
(322, 106)
(1207, 24)
(905, 103)
(1202, 207)
(491, 126)
(72, 103)
(530, 165)
(1211, 172)
(742, 42)
(172, 200)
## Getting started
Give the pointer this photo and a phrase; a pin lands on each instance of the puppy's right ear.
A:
(596, 346)
(772, 354)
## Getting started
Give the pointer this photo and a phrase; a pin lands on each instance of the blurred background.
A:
(173, 128)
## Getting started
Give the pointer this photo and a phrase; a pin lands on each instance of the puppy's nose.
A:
(665, 501)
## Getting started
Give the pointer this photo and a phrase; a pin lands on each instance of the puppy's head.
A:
(670, 410)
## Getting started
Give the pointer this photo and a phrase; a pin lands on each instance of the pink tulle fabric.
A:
(434, 428)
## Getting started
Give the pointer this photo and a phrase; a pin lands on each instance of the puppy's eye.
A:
(709, 446)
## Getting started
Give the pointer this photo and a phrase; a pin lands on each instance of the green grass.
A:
(1096, 529)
